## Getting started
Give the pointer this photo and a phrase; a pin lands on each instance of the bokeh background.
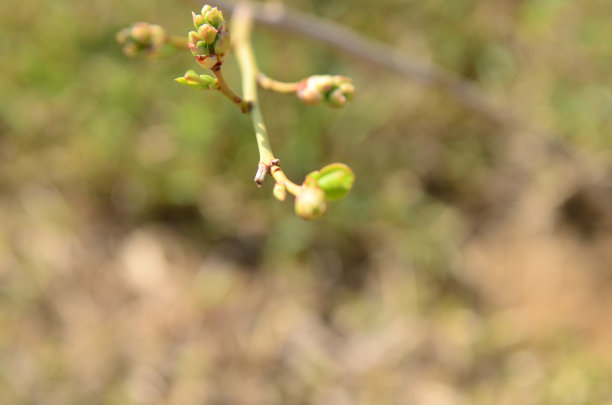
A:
(471, 264)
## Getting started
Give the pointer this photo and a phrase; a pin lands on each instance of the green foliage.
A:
(336, 180)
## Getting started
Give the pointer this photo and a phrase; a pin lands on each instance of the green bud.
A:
(222, 45)
(141, 32)
(208, 33)
(198, 20)
(192, 39)
(347, 89)
(158, 35)
(123, 35)
(213, 16)
(322, 83)
(310, 202)
(130, 49)
(280, 191)
(205, 9)
(308, 94)
(222, 28)
(336, 98)
(336, 180)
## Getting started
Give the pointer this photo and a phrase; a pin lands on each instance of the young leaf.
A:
(335, 179)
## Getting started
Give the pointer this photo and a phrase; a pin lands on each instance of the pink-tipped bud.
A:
(208, 33)
(198, 20)
(322, 83)
(193, 38)
(205, 9)
(222, 46)
(348, 90)
(309, 94)
(143, 38)
(207, 61)
(213, 16)
(141, 32)
(336, 98)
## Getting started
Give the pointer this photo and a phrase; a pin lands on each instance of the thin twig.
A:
(281, 178)
(224, 88)
(178, 42)
(241, 28)
(280, 87)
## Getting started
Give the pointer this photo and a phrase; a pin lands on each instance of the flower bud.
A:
(205, 9)
(309, 94)
(347, 89)
(211, 42)
(141, 32)
(323, 84)
(207, 61)
(142, 38)
(213, 16)
(192, 42)
(222, 45)
(198, 20)
(310, 202)
(335, 90)
(336, 98)
(280, 191)
(208, 33)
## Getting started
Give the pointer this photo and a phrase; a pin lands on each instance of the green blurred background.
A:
(471, 263)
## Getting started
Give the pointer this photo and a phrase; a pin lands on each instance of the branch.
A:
(241, 28)
(276, 15)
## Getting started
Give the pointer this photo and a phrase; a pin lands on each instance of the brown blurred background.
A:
(471, 264)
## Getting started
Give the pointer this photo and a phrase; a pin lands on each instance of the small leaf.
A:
(335, 179)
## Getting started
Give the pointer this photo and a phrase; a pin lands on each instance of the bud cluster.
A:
(211, 40)
(333, 90)
(142, 38)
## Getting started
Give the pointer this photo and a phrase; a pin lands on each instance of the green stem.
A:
(224, 88)
(241, 29)
(281, 178)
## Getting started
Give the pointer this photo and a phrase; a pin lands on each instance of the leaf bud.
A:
(201, 82)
